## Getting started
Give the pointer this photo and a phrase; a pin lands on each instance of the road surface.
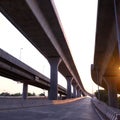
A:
(78, 110)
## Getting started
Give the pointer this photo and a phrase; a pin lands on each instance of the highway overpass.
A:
(105, 69)
(14, 69)
(38, 22)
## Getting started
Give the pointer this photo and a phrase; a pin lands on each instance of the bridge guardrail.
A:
(109, 112)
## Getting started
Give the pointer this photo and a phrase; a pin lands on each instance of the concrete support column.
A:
(48, 93)
(117, 23)
(25, 90)
(83, 94)
(60, 96)
(74, 90)
(54, 63)
(78, 92)
(112, 93)
(69, 80)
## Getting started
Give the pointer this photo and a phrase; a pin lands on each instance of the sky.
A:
(78, 22)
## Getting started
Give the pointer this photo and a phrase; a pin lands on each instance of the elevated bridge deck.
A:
(14, 69)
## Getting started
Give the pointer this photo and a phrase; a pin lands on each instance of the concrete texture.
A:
(79, 110)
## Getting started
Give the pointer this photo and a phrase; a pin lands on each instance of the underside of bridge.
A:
(105, 69)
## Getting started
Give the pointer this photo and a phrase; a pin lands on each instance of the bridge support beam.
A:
(78, 92)
(69, 80)
(112, 93)
(60, 97)
(25, 90)
(74, 90)
(83, 94)
(54, 63)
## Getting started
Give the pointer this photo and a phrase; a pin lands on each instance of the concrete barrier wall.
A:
(109, 112)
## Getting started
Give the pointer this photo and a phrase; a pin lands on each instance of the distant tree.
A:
(34, 94)
(31, 94)
(42, 94)
(5, 94)
(16, 94)
(103, 95)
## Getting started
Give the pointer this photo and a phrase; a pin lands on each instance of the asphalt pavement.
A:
(78, 110)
